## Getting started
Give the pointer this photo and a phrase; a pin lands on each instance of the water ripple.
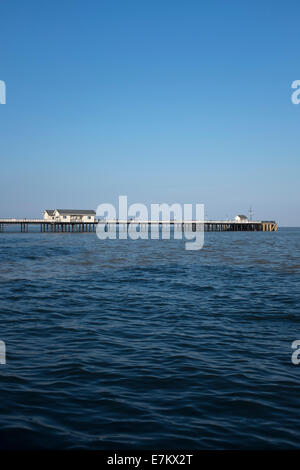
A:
(145, 345)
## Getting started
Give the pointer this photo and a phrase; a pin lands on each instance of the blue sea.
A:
(144, 345)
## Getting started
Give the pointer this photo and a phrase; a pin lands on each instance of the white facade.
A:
(48, 215)
(67, 215)
(74, 215)
(240, 218)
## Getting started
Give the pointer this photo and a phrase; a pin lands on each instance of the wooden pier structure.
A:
(194, 225)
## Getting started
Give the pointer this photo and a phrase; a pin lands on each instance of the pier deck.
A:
(193, 225)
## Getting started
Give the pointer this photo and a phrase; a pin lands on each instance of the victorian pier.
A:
(41, 225)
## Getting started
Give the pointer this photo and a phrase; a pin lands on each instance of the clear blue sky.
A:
(161, 100)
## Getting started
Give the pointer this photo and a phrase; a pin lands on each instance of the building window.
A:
(64, 216)
(89, 217)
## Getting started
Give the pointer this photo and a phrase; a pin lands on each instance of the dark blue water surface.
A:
(142, 344)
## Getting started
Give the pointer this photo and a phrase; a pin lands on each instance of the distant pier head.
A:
(68, 220)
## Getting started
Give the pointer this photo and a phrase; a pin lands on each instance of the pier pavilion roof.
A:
(76, 211)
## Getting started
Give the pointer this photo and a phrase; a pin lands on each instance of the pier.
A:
(194, 225)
